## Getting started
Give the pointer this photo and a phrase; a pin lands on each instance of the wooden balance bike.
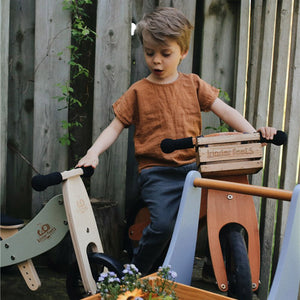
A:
(70, 211)
(230, 214)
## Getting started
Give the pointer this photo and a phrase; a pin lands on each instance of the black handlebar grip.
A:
(280, 138)
(87, 171)
(41, 182)
(169, 145)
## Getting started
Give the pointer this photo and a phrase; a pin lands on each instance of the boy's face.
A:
(162, 59)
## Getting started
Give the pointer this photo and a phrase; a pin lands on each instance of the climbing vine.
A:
(80, 33)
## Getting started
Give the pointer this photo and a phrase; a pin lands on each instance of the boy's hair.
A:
(166, 22)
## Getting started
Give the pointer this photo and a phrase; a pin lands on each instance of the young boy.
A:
(166, 104)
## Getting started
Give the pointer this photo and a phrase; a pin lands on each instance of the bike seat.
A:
(7, 222)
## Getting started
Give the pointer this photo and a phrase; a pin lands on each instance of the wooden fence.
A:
(250, 49)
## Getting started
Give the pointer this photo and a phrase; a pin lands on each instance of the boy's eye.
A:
(149, 53)
(166, 54)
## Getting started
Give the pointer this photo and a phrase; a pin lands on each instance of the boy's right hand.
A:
(90, 159)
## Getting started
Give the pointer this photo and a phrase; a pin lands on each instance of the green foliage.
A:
(79, 33)
(223, 95)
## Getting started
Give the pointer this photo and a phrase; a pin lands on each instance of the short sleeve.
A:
(207, 94)
(124, 108)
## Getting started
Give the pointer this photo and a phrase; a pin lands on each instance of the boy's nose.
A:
(156, 59)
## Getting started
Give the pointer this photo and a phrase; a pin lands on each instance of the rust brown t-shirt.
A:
(160, 111)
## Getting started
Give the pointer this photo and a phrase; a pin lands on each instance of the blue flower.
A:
(173, 274)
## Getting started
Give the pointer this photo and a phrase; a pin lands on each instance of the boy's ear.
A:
(183, 55)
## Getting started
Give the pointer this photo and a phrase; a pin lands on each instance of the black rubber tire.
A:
(237, 263)
(97, 261)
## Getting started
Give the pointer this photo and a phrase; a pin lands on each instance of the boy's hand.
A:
(90, 159)
(267, 133)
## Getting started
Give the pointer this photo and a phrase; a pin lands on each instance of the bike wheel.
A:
(237, 263)
(98, 261)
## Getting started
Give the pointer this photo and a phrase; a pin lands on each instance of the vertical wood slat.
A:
(240, 87)
(52, 36)
(263, 98)
(260, 112)
(20, 110)
(218, 50)
(289, 60)
(276, 117)
(292, 151)
(209, 59)
(255, 45)
(4, 40)
(291, 155)
(267, 49)
(111, 81)
(253, 76)
(139, 70)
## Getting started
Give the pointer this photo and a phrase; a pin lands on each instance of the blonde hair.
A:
(166, 22)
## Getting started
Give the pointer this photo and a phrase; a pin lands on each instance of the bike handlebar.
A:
(243, 188)
(169, 145)
(41, 182)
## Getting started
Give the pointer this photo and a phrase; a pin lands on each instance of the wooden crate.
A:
(228, 154)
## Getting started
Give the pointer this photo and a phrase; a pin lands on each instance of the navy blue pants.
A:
(161, 189)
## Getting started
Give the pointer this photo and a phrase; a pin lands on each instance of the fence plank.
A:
(261, 71)
(291, 152)
(268, 206)
(52, 36)
(254, 60)
(267, 50)
(218, 49)
(4, 38)
(261, 76)
(139, 70)
(276, 117)
(20, 110)
(277, 112)
(112, 77)
(240, 87)
(254, 78)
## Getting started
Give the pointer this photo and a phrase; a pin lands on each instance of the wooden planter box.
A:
(183, 292)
